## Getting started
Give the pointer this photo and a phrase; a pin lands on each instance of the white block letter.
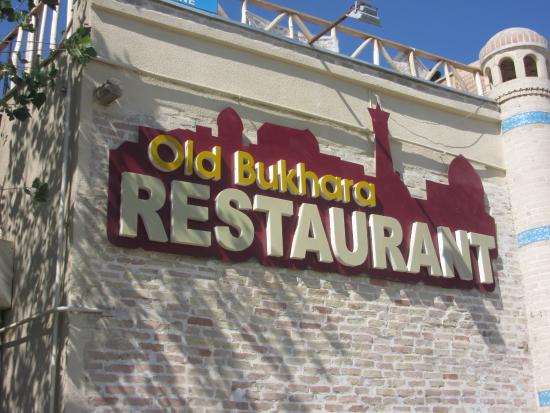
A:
(183, 212)
(275, 209)
(343, 255)
(383, 245)
(422, 251)
(310, 235)
(454, 254)
(233, 216)
(131, 206)
(484, 243)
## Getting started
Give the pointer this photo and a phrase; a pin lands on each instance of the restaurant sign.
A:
(283, 202)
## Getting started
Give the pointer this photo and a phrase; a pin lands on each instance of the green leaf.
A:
(42, 192)
(52, 4)
(90, 51)
(38, 190)
(79, 45)
(28, 27)
(21, 113)
(39, 99)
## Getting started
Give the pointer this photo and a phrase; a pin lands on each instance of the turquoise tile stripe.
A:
(526, 118)
(544, 398)
(533, 235)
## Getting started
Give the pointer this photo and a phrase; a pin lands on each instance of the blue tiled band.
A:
(544, 398)
(526, 118)
(533, 235)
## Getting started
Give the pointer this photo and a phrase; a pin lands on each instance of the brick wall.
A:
(188, 335)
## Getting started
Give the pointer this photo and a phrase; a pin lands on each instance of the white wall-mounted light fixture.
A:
(360, 11)
(365, 12)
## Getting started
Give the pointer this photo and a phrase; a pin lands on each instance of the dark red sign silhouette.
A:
(458, 205)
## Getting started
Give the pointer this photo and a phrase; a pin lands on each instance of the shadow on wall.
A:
(190, 334)
(31, 149)
(201, 335)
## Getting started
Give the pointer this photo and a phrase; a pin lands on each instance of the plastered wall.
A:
(183, 334)
(179, 334)
(32, 149)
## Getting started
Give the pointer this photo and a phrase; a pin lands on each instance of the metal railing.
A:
(383, 52)
(21, 47)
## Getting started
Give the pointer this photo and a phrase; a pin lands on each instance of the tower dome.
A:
(513, 61)
(512, 37)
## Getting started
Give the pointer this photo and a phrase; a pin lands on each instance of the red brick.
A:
(322, 310)
(104, 401)
(301, 397)
(265, 312)
(235, 405)
(174, 338)
(305, 325)
(137, 401)
(122, 368)
(379, 282)
(152, 346)
(202, 352)
(260, 406)
(119, 389)
(241, 385)
(200, 321)
(171, 402)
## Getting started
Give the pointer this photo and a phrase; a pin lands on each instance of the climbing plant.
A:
(38, 191)
(32, 85)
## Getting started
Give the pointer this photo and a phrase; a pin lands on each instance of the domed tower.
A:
(516, 63)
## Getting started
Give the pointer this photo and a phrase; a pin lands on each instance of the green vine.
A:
(38, 191)
(31, 86)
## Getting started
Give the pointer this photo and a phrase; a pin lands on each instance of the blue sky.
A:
(453, 29)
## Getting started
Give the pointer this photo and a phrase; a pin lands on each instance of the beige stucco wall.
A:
(31, 149)
(286, 76)
(205, 336)
(526, 152)
(183, 334)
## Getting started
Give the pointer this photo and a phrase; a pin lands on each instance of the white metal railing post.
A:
(447, 75)
(244, 11)
(375, 53)
(17, 47)
(53, 29)
(290, 26)
(15, 53)
(412, 63)
(42, 31)
(30, 49)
